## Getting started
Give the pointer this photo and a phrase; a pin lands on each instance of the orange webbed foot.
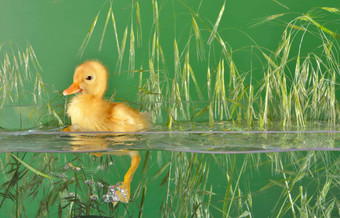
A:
(67, 129)
(98, 154)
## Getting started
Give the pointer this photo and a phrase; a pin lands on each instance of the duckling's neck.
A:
(86, 111)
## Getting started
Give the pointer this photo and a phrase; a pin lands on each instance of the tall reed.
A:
(299, 82)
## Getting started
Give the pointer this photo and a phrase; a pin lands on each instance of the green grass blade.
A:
(214, 30)
(30, 168)
(88, 36)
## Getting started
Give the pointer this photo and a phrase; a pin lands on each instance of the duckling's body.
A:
(90, 112)
(101, 115)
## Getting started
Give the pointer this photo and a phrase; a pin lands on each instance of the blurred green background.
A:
(56, 30)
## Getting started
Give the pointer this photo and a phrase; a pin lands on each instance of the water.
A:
(227, 171)
(192, 137)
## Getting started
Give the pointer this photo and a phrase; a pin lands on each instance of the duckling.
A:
(90, 112)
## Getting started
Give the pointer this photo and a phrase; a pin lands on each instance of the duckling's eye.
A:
(89, 77)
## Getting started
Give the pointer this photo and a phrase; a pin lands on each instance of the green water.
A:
(244, 108)
(225, 137)
(226, 171)
(175, 184)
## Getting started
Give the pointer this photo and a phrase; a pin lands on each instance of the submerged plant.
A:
(187, 192)
(187, 184)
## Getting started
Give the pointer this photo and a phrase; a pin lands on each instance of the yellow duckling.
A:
(90, 112)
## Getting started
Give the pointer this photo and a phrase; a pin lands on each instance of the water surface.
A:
(225, 171)
(192, 137)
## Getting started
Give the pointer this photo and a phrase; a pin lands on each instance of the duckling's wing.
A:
(127, 119)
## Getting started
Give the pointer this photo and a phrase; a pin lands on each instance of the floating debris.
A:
(121, 187)
(116, 193)
(89, 182)
(70, 165)
(61, 175)
(94, 197)
(101, 167)
(100, 185)
(111, 196)
(71, 194)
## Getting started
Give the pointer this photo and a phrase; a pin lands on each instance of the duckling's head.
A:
(89, 77)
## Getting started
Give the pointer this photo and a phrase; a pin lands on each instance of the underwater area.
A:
(242, 98)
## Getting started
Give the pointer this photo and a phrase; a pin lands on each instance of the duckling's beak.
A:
(74, 88)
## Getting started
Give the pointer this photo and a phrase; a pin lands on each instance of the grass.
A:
(304, 80)
(22, 89)
(19, 68)
(306, 93)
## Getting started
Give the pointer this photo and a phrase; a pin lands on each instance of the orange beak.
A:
(74, 88)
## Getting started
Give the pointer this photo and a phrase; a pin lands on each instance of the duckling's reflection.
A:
(101, 142)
